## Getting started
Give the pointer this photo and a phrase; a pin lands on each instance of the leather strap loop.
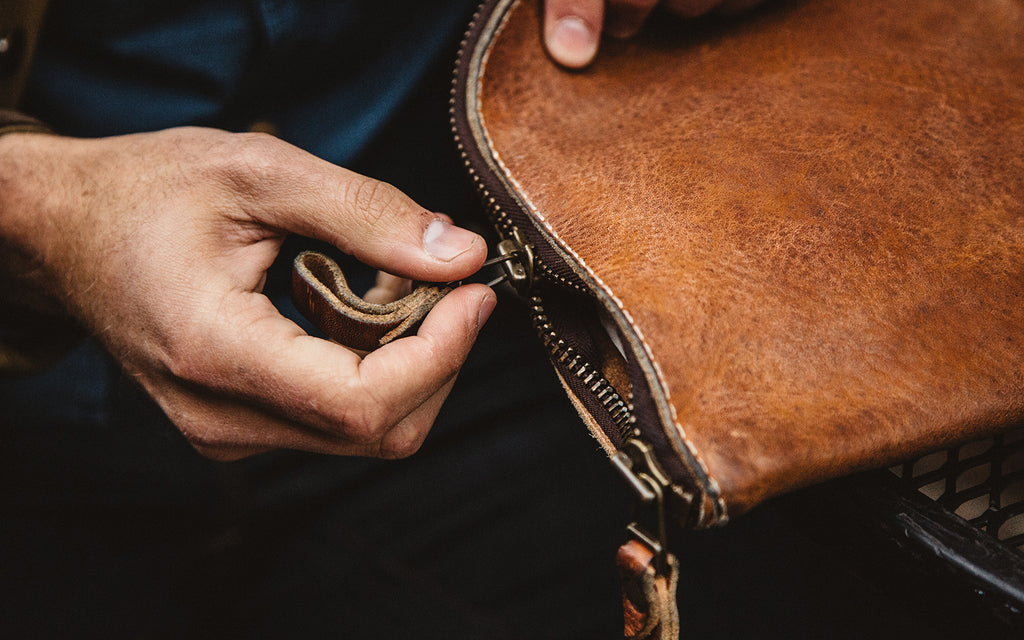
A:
(648, 596)
(321, 293)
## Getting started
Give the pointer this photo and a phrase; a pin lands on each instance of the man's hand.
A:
(572, 28)
(160, 242)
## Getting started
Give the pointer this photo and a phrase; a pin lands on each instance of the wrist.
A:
(35, 330)
(24, 194)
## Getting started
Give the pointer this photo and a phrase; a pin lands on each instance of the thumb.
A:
(572, 29)
(366, 218)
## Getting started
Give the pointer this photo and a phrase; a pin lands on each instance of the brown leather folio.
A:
(768, 250)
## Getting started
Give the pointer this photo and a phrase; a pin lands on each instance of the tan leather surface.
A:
(813, 216)
(632, 561)
(321, 293)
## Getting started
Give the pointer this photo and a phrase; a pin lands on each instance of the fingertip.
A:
(475, 301)
(446, 242)
(452, 326)
(572, 42)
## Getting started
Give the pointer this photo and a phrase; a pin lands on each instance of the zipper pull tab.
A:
(635, 461)
(516, 257)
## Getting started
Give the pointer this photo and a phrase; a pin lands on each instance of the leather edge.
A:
(472, 65)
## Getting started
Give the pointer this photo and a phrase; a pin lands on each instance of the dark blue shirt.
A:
(326, 74)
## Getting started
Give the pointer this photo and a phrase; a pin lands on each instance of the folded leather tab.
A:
(321, 293)
(805, 226)
(648, 595)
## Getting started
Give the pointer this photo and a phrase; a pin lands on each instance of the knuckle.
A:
(250, 161)
(188, 362)
(193, 354)
(257, 156)
(372, 199)
(256, 147)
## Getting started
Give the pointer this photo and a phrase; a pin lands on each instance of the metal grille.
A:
(982, 482)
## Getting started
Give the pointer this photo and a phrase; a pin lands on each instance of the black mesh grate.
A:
(982, 482)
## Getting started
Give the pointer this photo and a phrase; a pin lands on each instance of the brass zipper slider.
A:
(635, 461)
(516, 257)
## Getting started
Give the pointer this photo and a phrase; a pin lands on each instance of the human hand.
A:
(572, 28)
(159, 243)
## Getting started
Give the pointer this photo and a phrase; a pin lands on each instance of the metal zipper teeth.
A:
(619, 410)
(502, 221)
(500, 218)
(617, 407)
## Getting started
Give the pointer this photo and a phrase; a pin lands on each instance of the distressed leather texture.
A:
(810, 218)
(321, 293)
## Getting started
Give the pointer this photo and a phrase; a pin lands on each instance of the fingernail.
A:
(445, 241)
(572, 42)
(486, 307)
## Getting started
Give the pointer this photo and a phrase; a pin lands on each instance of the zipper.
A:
(617, 407)
(635, 459)
(522, 269)
(525, 269)
(502, 219)
(635, 462)
(517, 260)
(509, 232)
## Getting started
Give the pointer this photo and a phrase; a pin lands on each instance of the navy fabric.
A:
(327, 74)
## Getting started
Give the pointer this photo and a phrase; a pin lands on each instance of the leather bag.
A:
(793, 243)
(765, 251)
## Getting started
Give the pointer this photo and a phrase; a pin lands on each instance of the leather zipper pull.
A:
(321, 294)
